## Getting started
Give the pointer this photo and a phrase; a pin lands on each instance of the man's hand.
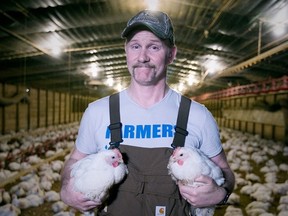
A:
(77, 200)
(206, 193)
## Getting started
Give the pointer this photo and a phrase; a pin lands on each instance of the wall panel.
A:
(257, 114)
(50, 108)
(23, 115)
(42, 109)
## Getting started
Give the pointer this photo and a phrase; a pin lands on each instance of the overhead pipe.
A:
(4, 101)
(238, 68)
(259, 37)
(271, 85)
(68, 50)
(25, 40)
(250, 62)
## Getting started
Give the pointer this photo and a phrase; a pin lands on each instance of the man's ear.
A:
(172, 54)
(125, 45)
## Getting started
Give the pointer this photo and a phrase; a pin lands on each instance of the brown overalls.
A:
(148, 190)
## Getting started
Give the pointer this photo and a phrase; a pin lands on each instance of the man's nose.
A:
(143, 57)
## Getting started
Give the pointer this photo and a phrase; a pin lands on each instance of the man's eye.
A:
(155, 48)
(135, 46)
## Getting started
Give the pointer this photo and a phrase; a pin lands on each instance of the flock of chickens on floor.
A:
(259, 165)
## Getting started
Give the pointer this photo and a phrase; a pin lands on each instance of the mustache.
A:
(145, 65)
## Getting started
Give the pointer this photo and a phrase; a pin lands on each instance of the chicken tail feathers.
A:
(202, 211)
(89, 213)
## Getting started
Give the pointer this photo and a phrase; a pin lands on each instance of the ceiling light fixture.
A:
(152, 4)
(110, 82)
(56, 51)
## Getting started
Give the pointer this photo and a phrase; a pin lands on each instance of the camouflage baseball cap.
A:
(156, 21)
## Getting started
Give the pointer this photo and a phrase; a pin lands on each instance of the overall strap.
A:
(181, 125)
(115, 123)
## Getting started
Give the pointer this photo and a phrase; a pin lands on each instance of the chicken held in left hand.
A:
(186, 164)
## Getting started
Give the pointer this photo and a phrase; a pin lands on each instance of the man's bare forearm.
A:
(65, 175)
(229, 179)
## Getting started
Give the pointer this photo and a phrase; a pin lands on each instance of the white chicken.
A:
(95, 174)
(186, 164)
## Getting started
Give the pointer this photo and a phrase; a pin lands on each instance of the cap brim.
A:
(140, 26)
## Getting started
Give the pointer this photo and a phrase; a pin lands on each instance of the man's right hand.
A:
(77, 200)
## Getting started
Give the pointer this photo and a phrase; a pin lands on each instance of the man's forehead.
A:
(145, 35)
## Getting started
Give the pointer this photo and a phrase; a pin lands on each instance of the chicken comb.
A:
(175, 151)
(117, 151)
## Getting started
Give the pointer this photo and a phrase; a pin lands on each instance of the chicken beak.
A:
(115, 164)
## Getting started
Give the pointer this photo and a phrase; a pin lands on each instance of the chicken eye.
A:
(113, 157)
(181, 154)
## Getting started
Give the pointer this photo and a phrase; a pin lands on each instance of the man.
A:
(148, 110)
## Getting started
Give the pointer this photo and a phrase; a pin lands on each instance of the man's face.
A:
(147, 58)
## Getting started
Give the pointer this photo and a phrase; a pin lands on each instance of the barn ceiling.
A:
(221, 43)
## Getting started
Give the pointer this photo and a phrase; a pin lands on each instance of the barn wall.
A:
(40, 108)
(259, 114)
(255, 113)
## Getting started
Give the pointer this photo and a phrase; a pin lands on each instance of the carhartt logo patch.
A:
(160, 211)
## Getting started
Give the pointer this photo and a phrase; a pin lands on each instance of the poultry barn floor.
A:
(261, 171)
(45, 209)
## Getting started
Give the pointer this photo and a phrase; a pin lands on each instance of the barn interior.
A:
(57, 56)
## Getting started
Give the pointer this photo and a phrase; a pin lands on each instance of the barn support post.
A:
(284, 107)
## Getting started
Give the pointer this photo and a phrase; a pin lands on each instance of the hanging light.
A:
(152, 4)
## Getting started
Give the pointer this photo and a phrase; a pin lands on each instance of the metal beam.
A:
(251, 62)
(23, 39)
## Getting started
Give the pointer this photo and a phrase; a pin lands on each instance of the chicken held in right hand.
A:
(186, 164)
(95, 174)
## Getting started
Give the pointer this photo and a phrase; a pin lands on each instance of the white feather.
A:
(95, 174)
(186, 164)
